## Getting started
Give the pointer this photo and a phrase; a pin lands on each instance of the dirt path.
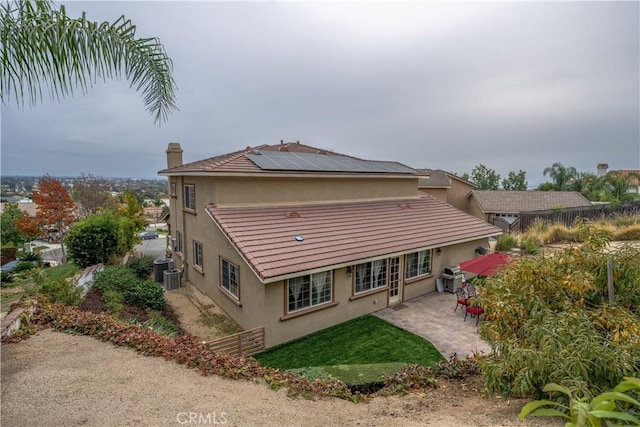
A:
(56, 379)
(199, 315)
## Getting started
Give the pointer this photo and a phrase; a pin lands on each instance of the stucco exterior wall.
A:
(271, 190)
(457, 195)
(475, 210)
(438, 193)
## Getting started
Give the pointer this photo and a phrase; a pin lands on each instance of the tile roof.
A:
(502, 201)
(238, 162)
(341, 233)
(631, 175)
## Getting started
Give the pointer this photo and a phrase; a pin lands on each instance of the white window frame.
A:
(189, 197)
(419, 268)
(309, 291)
(230, 283)
(369, 276)
(197, 255)
(179, 242)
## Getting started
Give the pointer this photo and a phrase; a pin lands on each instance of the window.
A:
(179, 248)
(197, 254)
(190, 197)
(230, 277)
(309, 291)
(371, 275)
(172, 189)
(418, 264)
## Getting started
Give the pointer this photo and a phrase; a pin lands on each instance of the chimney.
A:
(602, 169)
(174, 155)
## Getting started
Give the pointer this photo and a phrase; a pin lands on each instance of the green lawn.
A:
(364, 340)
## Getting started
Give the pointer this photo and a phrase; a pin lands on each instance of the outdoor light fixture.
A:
(438, 251)
(349, 271)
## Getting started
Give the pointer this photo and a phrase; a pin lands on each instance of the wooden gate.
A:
(243, 343)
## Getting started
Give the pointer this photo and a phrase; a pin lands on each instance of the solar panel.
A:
(288, 161)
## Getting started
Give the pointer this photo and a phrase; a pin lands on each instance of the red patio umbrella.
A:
(485, 265)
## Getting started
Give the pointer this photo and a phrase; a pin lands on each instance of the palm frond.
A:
(43, 47)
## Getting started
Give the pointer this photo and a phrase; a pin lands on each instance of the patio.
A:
(431, 316)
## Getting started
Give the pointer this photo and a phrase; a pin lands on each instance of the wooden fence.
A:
(243, 343)
(567, 216)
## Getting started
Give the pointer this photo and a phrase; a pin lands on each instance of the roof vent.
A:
(299, 238)
(292, 214)
(405, 206)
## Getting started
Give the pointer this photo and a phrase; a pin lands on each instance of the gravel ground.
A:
(56, 379)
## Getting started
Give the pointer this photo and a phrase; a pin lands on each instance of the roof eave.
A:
(278, 278)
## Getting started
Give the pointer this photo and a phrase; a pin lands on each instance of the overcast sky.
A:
(511, 85)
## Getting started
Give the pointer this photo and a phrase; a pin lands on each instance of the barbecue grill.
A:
(452, 278)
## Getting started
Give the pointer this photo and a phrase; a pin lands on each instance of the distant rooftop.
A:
(502, 201)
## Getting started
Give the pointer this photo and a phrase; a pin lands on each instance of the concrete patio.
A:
(432, 316)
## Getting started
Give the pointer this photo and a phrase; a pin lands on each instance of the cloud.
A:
(510, 85)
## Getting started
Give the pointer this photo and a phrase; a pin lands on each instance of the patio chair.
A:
(461, 298)
(470, 289)
(474, 309)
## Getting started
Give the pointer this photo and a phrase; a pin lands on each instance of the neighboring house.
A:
(295, 239)
(446, 187)
(631, 175)
(502, 208)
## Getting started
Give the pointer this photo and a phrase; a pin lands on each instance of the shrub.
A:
(506, 241)
(113, 302)
(33, 257)
(161, 325)
(559, 233)
(141, 266)
(5, 277)
(548, 320)
(93, 240)
(630, 233)
(145, 294)
(114, 278)
(62, 290)
(531, 245)
(24, 266)
(608, 406)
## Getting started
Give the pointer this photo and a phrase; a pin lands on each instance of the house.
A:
(295, 239)
(632, 176)
(446, 187)
(502, 208)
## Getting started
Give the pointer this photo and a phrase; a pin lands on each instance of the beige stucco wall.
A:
(438, 193)
(265, 190)
(475, 210)
(457, 195)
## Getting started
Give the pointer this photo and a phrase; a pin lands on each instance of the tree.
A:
(43, 46)
(54, 209)
(616, 188)
(515, 181)
(561, 175)
(132, 209)
(589, 185)
(10, 231)
(91, 195)
(485, 178)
